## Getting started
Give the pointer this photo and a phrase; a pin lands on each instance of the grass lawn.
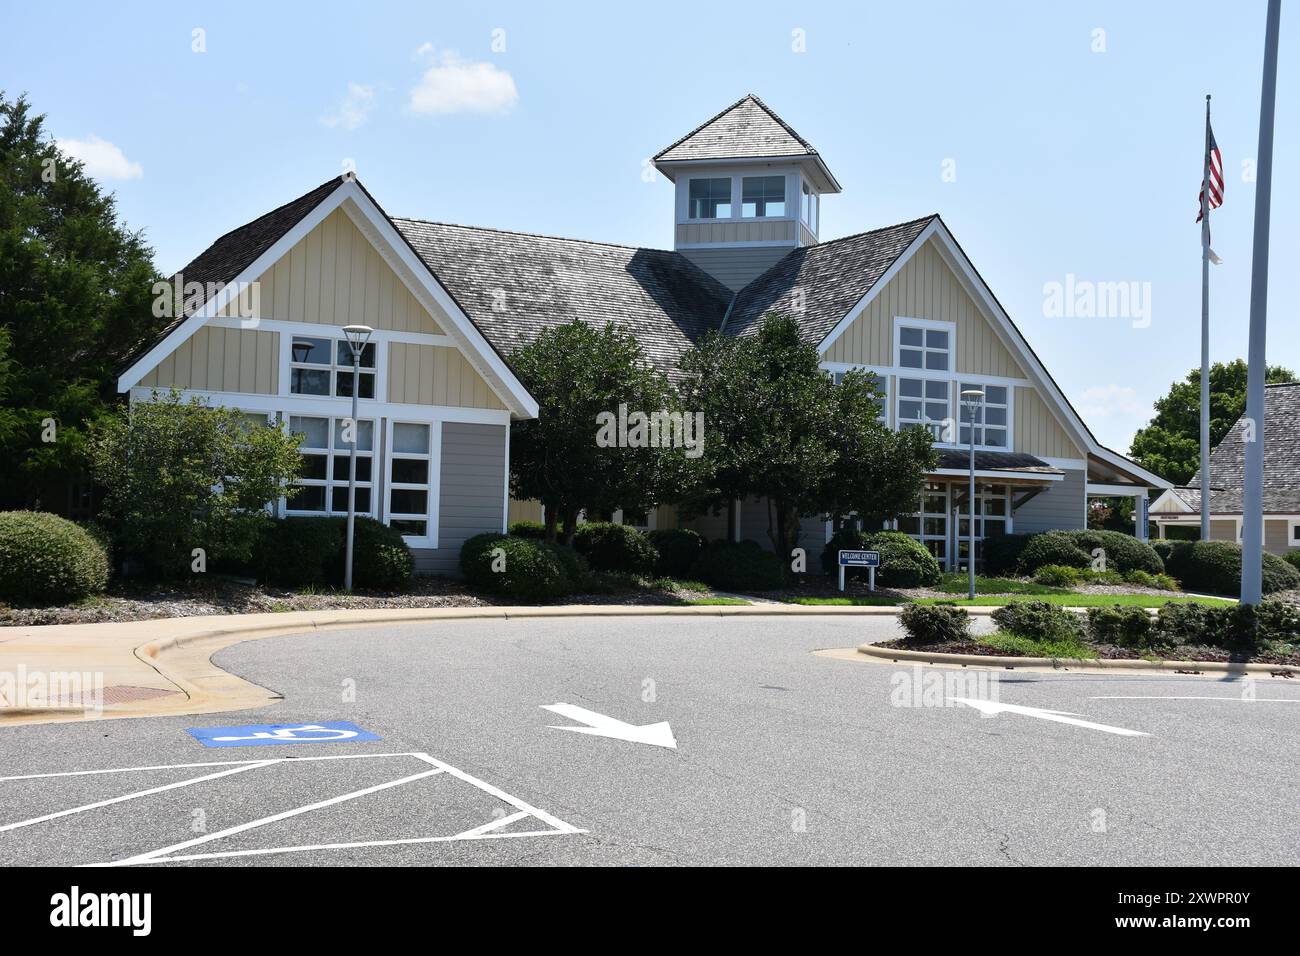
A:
(717, 600)
(958, 583)
(1013, 645)
(842, 601)
(1074, 599)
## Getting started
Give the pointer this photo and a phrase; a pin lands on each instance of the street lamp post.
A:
(971, 399)
(357, 336)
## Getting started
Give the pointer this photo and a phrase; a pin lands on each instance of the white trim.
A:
(1000, 477)
(1070, 464)
(757, 244)
(1101, 490)
(1291, 525)
(505, 493)
(337, 407)
(319, 329)
(883, 370)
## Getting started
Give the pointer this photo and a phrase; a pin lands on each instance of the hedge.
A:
(1215, 567)
(934, 623)
(523, 567)
(1052, 548)
(1001, 555)
(45, 559)
(1123, 626)
(301, 552)
(1075, 549)
(739, 566)
(528, 529)
(904, 561)
(678, 549)
(1038, 621)
(1238, 627)
(615, 547)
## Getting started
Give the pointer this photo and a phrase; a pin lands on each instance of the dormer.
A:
(748, 190)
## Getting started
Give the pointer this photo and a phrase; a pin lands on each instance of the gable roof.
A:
(516, 284)
(1281, 433)
(747, 129)
(831, 277)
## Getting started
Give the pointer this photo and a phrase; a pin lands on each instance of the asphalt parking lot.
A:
(542, 741)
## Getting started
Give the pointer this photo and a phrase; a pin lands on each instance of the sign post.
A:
(860, 559)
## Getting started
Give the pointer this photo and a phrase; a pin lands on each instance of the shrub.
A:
(528, 529)
(1120, 625)
(678, 549)
(1161, 582)
(1052, 547)
(1234, 627)
(533, 570)
(1123, 552)
(1215, 567)
(1292, 557)
(1001, 555)
(1183, 622)
(298, 552)
(46, 559)
(615, 547)
(904, 562)
(1038, 621)
(934, 623)
(739, 566)
(1057, 576)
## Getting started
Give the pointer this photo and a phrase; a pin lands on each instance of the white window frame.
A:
(1292, 540)
(434, 458)
(731, 179)
(944, 424)
(926, 325)
(334, 368)
(785, 192)
(329, 482)
(981, 425)
(957, 517)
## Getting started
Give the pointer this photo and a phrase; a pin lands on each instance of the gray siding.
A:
(736, 268)
(471, 492)
(1061, 506)
(710, 526)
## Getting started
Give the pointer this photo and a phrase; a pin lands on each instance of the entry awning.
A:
(1009, 467)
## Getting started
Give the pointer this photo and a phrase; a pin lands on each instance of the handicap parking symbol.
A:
(260, 735)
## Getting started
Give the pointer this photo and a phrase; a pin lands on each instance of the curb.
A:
(897, 655)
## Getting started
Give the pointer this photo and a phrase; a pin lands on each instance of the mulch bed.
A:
(1198, 653)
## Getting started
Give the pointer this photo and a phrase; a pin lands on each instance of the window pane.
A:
(964, 437)
(306, 381)
(995, 416)
(909, 525)
(937, 360)
(936, 411)
(313, 466)
(936, 390)
(367, 354)
(315, 431)
(909, 410)
(996, 394)
(936, 339)
(406, 502)
(309, 350)
(308, 499)
(909, 358)
(996, 437)
(343, 385)
(910, 337)
(909, 387)
(365, 435)
(410, 471)
(339, 501)
(409, 526)
(411, 439)
(710, 198)
(341, 468)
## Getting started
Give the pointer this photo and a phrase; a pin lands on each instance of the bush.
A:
(1292, 557)
(1038, 621)
(381, 561)
(1052, 547)
(739, 566)
(533, 570)
(1057, 576)
(298, 552)
(1183, 622)
(678, 550)
(1001, 555)
(615, 547)
(1234, 627)
(1160, 582)
(904, 562)
(1123, 552)
(934, 623)
(1215, 567)
(46, 559)
(528, 529)
(1121, 625)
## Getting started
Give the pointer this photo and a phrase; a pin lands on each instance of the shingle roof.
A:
(997, 461)
(829, 277)
(1281, 457)
(747, 129)
(514, 285)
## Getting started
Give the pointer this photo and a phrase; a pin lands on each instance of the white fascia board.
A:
(1166, 498)
(1114, 491)
(1002, 477)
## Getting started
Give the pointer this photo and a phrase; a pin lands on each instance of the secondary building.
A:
(261, 330)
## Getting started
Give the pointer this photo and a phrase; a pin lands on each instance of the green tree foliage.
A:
(181, 476)
(75, 300)
(780, 428)
(578, 372)
(1170, 445)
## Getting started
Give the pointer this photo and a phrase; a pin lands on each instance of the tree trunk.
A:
(549, 521)
(570, 525)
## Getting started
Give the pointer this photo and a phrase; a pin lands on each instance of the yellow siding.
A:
(335, 276)
(524, 511)
(925, 288)
(767, 231)
(1223, 529)
(665, 517)
(434, 375)
(1037, 430)
(222, 360)
(1277, 537)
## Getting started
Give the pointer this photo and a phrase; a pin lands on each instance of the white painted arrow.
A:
(992, 707)
(658, 735)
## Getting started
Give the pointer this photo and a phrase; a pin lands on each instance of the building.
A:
(1177, 511)
(261, 331)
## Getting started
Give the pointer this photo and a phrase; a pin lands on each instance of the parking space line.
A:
(502, 795)
(204, 763)
(492, 825)
(1245, 700)
(274, 818)
(132, 796)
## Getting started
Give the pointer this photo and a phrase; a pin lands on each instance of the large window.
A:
(410, 467)
(924, 402)
(326, 455)
(989, 417)
(710, 198)
(762, 196)
(809, 209)
(923, 348)
(992, 507)
(930, 523)
(323, 366)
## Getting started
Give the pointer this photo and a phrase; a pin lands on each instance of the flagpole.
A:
(1205, 331)
(1252, 504)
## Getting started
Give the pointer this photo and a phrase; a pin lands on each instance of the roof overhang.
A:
(414, 272)
(1003, 476)
(811, 163)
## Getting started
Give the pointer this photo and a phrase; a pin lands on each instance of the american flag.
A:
(1216, 180)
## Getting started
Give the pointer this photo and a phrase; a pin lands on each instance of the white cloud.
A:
(453, 85)
(1114, 412)
(423, 48)
(102, 159)
(354, 108)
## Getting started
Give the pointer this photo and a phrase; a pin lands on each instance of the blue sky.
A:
(1069, 159)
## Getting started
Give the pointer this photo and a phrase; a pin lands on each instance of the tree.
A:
(75, 300)
(1170, 445)
(583, 377)
(180, 476)
(779, 427)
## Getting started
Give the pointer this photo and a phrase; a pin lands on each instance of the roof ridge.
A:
(716, 116)
(784, 125)
(872, 232)
(1281, 384)
(531, 235)
(336, 180)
